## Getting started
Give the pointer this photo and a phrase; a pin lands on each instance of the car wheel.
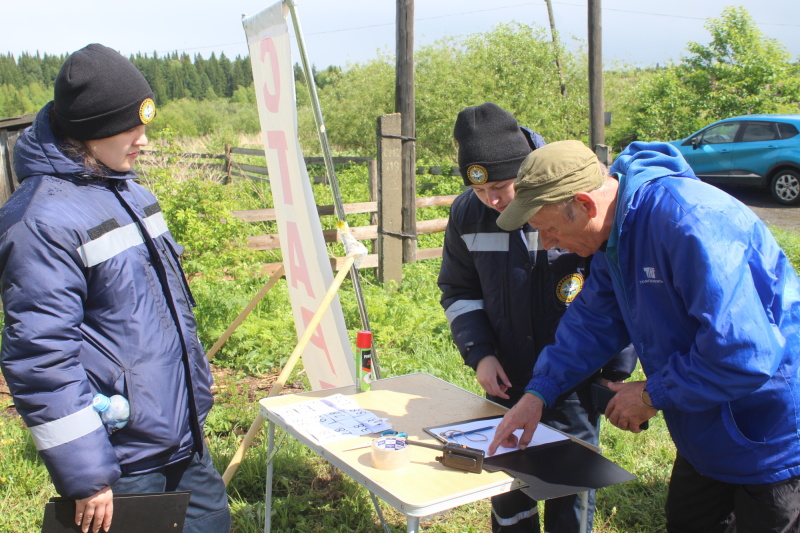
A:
(785, 187)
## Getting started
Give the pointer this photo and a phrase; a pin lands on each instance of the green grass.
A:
(411, 335)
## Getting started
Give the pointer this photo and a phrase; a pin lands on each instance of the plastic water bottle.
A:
(114, 411)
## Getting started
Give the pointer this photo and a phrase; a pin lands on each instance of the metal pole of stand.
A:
(326, 155)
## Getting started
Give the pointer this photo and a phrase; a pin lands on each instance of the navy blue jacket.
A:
(504, 294)
(95, 301)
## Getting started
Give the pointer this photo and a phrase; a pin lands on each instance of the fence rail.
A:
(229, 168)
(234, 168)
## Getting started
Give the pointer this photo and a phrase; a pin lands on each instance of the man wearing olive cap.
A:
(712, 305)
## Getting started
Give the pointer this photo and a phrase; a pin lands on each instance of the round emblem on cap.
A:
(147, 111)
(477, 174)
(569, 287)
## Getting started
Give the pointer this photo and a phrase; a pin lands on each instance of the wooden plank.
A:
(251, 168)
(369, 261)
(6, 179)
(429, 253)
(435, 201)
(390, 198)
(248, 151)
(272, 241)
(268, 214)
(436, 225)
(17, 123)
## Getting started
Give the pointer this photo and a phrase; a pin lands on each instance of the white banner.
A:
(328, 359)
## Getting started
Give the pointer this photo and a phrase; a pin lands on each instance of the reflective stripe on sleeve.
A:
(110, 244)
(534, 241)
(120, 239)
(486, 242)
(67, 429)
(460, 307)
(156, 225)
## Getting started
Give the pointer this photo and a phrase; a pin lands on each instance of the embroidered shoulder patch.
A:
(569, 287)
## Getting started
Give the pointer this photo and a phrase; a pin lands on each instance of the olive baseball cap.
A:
(551, 174)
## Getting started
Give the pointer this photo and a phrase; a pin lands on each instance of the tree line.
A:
(739, 71)
(172, 77)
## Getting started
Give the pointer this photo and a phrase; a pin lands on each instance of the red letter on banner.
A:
(298, 267)
(318, 339)
(277, 142)
(271, 99)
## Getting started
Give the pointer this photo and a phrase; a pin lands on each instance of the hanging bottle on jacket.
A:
(114, 411)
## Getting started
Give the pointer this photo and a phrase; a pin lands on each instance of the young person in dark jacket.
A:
(95, 301)
(504, 294)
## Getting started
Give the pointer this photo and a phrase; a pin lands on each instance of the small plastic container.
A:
(115, 410)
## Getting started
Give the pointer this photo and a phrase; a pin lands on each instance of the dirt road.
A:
(771, 212)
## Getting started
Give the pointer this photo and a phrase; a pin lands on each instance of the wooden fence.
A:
(10, 128)
(371, 232)
(386, 209)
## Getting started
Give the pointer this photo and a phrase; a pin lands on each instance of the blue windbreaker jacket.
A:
(95, 301)
(712, 306)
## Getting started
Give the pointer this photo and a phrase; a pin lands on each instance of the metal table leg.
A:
(584, 511)
(268, 502)
(380, 513)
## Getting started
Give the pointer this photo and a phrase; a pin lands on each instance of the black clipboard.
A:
(158, 512)
(552, 469)
(558, 469)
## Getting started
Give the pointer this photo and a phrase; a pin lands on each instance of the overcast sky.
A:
(347, 31)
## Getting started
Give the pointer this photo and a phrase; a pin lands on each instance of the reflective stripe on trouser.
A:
(514, 512)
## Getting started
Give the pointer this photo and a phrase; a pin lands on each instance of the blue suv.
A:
(752, 150)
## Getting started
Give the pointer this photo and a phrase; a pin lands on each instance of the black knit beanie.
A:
(99, 93)
(491, 145)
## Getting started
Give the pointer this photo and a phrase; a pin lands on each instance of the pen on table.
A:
(467, 432)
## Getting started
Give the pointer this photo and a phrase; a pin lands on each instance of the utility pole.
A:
(556, 48)
(404, 104)
(597, 134)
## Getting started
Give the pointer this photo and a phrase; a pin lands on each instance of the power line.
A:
(497, 8)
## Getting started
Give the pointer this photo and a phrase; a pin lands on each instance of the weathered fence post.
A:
(10, 128)
(227, 163)
(372, 178)
(390, 199)
(6, 172)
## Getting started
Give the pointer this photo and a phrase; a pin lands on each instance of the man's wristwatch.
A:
(646, 398)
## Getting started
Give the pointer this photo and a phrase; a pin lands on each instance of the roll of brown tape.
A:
(390, 453)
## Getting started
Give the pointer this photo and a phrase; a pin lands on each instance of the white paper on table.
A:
(330, 419)
(482, 439)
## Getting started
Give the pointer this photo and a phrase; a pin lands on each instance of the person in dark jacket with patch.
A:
(504, 294)
(95, 302)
